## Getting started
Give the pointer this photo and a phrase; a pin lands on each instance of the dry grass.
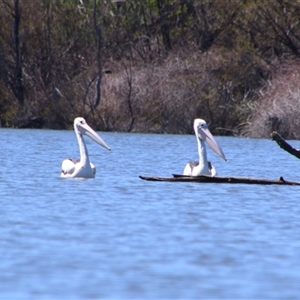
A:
(279, 106)
(165, 97)
(161, 96)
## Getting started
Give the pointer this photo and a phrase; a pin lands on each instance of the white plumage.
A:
(203, 166)
(82, 168)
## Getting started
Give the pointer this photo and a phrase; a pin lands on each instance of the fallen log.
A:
(284, 145)
(220, 179)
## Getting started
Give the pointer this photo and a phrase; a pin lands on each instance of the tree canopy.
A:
(149, 65)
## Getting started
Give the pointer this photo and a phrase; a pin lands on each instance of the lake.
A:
(119, 237)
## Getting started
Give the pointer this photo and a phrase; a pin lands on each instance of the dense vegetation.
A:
(151, 65)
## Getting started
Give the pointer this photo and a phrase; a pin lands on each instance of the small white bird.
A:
(203, 167)
(82, 168)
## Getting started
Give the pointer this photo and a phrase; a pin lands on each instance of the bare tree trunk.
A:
(164, 26)
(99, 59)
(129, 81)
(18, 89)
(284, 145)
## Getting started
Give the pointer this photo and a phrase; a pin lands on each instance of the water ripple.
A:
(117, 236)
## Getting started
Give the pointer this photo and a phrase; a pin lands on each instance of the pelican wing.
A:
(188, 170)
(68, 167)
(93, 168)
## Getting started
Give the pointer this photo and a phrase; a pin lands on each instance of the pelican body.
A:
(82, 168)
(203, 167)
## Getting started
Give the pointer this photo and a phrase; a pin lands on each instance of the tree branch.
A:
(284, 145)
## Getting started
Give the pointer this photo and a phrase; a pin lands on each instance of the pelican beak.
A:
(207, 137)
(87, 130)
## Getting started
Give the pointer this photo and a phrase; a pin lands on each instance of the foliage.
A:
(150, 65)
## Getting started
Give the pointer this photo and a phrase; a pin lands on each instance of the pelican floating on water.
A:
(203, 167)
(82, 168)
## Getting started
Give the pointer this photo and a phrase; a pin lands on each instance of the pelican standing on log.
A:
(82, 168)
(203, 167)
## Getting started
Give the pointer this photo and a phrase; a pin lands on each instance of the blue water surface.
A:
(119, 237)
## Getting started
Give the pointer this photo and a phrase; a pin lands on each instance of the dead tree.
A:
(284, 145)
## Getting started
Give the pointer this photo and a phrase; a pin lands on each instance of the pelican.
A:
(203, 167)
(82, 168)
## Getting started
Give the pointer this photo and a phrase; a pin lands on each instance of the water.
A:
(119, 237)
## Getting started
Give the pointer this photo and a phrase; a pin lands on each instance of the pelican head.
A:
(202, 132)
(82, 128)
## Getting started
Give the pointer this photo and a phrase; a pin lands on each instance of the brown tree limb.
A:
(220, 179)
(284, 145)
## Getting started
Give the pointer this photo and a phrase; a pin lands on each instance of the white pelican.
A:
(82, 168)
(203, 167)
